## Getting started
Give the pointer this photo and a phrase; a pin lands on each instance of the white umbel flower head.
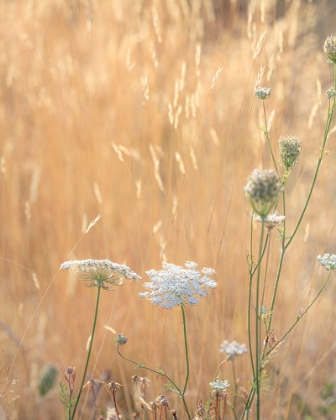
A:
(176, 286)
(271, 221)
(328, 261)
(99, 272)
(262, 93)
(218, 385)
(232, 349)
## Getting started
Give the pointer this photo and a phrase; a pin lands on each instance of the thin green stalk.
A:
(286, 245)
(252, 272)
(249, 324)
(187, 360)
(268, 139)
(282, 255)
(88, 353)
(300, 316)
(235, 389)
(266, 271)
(185, 348)
(163, 374)
(158, 372)
(257, 344)
(248, 404)
(324, 141)
(261, 255)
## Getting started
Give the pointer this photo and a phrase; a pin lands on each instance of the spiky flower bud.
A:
(262, 190)
(262, 92)
(47, 379)
(290, 148)
(330, 48)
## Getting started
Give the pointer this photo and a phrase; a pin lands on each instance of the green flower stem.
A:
(325, 137)
(252, 272)
(300, 316)
(268, 139)
(266, 272)
(185, 348)
(261, 255)
(89, 351)
(249, 325)
(257, 309)
(187, 360)
(158, 372)
(286, 245)
(248, 404)
(162, 373)
(235, 389)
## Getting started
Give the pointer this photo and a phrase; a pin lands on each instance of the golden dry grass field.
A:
(143, 111)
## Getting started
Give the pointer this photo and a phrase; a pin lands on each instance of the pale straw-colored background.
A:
(143, 112)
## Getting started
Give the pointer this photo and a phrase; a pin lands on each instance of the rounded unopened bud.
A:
(262, 92)
(69, 370)
(262, 190)
(120, 340)
(330, 48)
(290, 148)
(47, 379)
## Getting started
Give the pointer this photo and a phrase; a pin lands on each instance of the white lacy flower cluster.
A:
(219, 385)
(175, 285)
(328, 261)
(232, 349)
(100, 271)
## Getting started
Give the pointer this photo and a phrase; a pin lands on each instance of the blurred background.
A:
(144, 112)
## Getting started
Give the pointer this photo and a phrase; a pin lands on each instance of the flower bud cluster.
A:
(262, 190)
(330, 48)
(290, 148)
(262, 92)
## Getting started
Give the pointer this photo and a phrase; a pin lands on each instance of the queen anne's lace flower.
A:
(290, 148)
(331, 93)
(175, 285)
(271, 221)
(328, 261)
(262, 190)
(262, 92)
(232, 349)
(219, 385)
(99, 272)
(330, 48)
